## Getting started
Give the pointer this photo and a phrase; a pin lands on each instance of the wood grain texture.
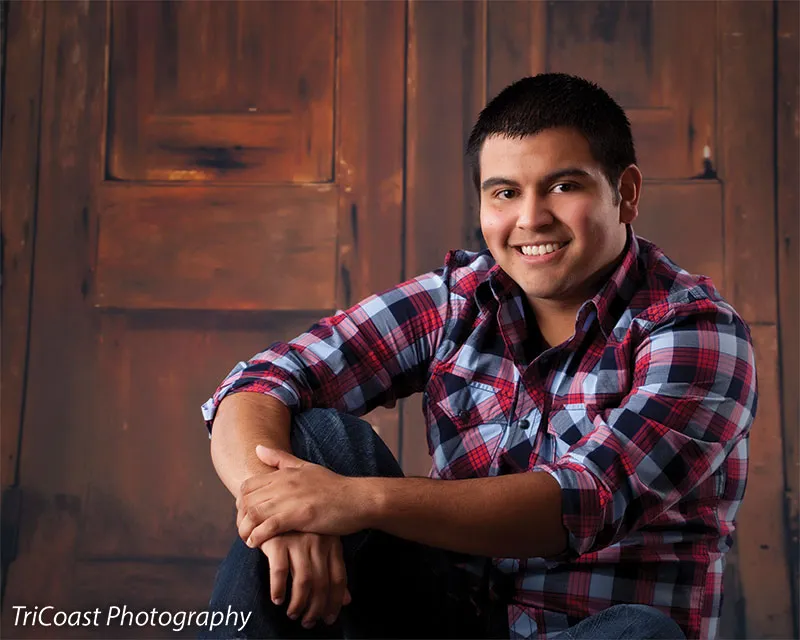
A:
(199, 94)
(761, 524)
(216, 247)
(56, 438)
(509, 42)
(474, 76)
(154, 495)
(685, 220)
(18, 184)
(747, 160)
(788, 241)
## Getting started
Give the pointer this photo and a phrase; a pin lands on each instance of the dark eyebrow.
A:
(569, 172)
(497, 181)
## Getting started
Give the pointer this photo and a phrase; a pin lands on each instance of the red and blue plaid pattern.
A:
(642, 417)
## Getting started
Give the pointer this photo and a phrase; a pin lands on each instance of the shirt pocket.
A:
(469, 404)
(466, 416)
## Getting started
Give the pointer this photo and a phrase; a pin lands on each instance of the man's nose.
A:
(533, 214)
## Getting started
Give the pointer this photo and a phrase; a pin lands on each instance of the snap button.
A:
(523, 424)
(463, 415)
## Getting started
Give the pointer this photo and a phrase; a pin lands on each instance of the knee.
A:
(343, 443)
(643, 621)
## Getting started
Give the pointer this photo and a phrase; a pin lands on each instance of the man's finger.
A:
(273, 526)
(278, 556)
(320, 585)
(338, 579)
(300, 566)
(245, 528)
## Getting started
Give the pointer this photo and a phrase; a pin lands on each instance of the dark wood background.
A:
(183, 183)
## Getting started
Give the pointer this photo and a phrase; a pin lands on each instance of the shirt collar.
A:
(613, 298)
(495, 288)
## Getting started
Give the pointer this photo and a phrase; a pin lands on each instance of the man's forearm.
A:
(243, 421)
(515, 516)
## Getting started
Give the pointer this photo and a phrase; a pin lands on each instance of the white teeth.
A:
(541, 249)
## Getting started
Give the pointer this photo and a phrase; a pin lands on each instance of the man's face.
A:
(549, 215)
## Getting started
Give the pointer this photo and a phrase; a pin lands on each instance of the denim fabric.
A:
(625, 622)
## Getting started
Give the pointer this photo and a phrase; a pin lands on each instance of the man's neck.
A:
(556, 320)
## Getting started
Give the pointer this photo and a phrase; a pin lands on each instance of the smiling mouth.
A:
(541, 249)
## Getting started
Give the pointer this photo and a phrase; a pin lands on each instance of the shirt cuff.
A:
(586, 506)
(266, 387)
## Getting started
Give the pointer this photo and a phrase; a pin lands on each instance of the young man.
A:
(588, 407)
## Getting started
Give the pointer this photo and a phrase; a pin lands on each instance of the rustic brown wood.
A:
(143, 587)
(216, 247)
(788, 241)
(761, 525)
(747, 169)
(113, 452)
(199, 95)
(136, 364)
(474, 95)
(23, 73)
(685, 220)
(747, 161)
(731, 622)
(510, 41)
(154, 493)
(59, 382)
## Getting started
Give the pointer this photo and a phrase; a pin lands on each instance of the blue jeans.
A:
(400, 589)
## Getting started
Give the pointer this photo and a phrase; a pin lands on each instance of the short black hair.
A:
(551, 100)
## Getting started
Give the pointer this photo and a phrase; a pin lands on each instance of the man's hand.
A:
(319, 579)
(299, 496)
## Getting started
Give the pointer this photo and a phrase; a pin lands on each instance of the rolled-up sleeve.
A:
(367, 356)
(692, 401)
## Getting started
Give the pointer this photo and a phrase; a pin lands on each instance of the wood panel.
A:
(747, 169)
(515, 42)
(20, 162)
(142, 587)
(788, 241)
(198, 93)
(153, 494)
(761, 526)
(210, 247)
(685, 220)
(747, 160)
(55, 446)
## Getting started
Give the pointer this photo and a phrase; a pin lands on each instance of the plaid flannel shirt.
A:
(642, 417)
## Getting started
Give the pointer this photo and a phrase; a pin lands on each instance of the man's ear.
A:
(630, 188)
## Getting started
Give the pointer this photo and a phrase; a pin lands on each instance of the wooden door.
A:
(213, 176)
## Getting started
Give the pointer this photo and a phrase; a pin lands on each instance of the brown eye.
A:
(505, 194)
(566, 187)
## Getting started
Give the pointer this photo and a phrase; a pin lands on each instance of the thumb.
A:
(277, 458)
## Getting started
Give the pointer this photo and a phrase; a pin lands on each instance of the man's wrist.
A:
(371, 500)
